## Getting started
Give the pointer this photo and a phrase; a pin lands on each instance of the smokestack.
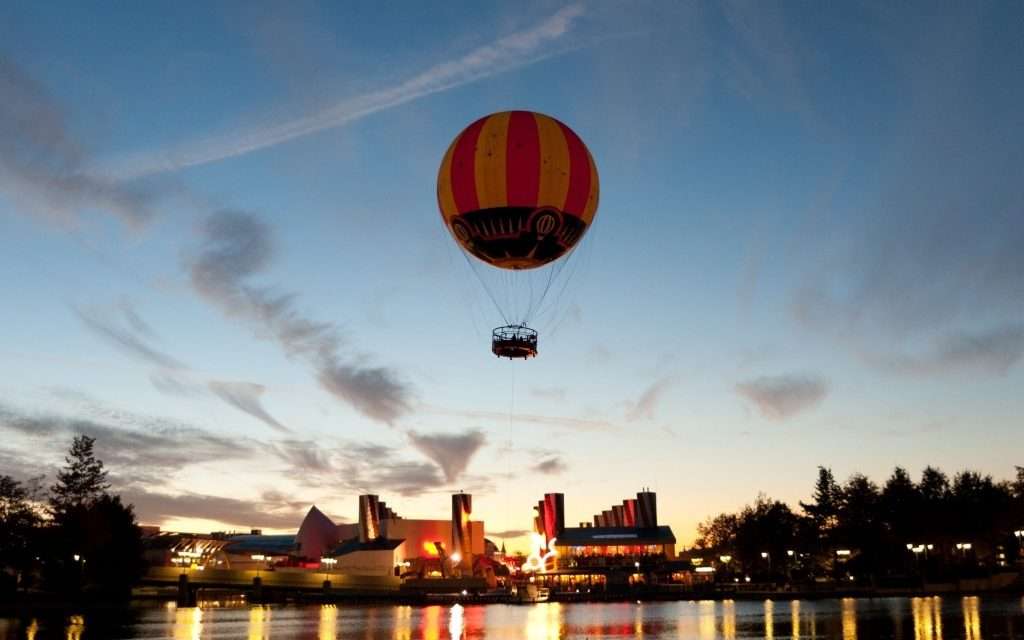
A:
(607, 518)
(597, 520)
(629, 512)
(462, 542)
(646, 509)
(538, 520)
(554, 515)
(369, 518)
(620, 520)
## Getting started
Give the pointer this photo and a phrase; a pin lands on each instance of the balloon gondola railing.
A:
(514, 341)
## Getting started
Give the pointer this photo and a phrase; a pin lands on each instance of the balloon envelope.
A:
(517, 189)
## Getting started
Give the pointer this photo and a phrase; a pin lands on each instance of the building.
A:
(620, 545)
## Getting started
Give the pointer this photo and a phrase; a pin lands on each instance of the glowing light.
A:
(328, 623)
(725, 559)
(705, 569)
(456, 622)
(972, 618)
(842, 552)
(849, 619)
(430, 549)
(540, 554)
(456, 558)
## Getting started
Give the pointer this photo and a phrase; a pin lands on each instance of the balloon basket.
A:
(515, 341)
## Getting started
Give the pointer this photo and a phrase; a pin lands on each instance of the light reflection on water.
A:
(926, 618)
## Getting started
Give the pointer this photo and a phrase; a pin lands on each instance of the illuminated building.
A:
(622, 544)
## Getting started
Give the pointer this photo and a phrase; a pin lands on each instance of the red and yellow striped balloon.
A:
(517, 189)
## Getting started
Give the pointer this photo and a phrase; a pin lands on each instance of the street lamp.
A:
(258, 558)
(327, 564)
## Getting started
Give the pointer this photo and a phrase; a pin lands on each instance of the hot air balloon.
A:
(517, 190)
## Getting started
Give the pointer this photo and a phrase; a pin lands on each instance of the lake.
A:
(930, 618)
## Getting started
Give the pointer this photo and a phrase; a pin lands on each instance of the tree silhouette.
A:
(81, 482)
(19, 520)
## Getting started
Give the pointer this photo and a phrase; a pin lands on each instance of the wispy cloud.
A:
(509, 533)
(505, 54)
(993, 352)
(236, 247)
(451, 451)
(153, 507)
(551, 466)
(246, 397)
(141, 447)
(780, 397)
(43, 169)
(126, 338)
(648, 401)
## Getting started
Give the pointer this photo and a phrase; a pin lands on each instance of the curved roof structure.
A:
(317, 534)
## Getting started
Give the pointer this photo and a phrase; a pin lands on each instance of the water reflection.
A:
(544, 621)
(849, 613)
(430, 623)
(927, 614)
(706, 620)
(328, 629)
(794, 618)
(402, 625)
(729, 620)
(847, 619)
(455, 621)
(972, 618)
(76, 624)
(188, 623)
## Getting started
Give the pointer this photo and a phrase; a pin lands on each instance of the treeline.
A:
(935, 527)
(73, 538)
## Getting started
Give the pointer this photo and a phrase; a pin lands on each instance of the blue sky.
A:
(808, 251)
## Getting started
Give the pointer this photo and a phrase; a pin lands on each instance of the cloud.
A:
(451, 451)
(245, 396)
(360, 467)
(304, 457)
(780, 397)
(236, 246)
(144, 448)
(125, 338)
(993, 352)
(551, 466)
(648, 400)
(42, 168)
(509, 533)
(157, 508)
(502, 55)
(173, 384)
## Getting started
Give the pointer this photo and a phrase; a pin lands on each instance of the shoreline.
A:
(49, 602)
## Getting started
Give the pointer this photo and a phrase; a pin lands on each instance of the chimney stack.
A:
(462, 540)
(646, 509)
(369, 518)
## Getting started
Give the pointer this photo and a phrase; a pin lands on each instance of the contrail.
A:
(508, 53)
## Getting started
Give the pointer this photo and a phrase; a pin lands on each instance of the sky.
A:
(222, 255)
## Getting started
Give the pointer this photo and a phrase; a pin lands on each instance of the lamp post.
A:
(258, 558)
(326, 564)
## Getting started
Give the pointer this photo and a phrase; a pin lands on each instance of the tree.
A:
(19, 523)
(900, 504)
(718, 532)
(827, 499)
(82, 482)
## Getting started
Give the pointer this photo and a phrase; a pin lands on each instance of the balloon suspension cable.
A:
(483, 283)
